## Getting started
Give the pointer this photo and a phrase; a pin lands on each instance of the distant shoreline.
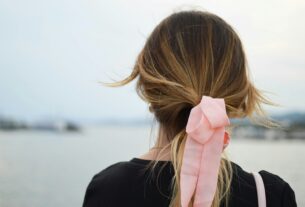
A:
(292, 126)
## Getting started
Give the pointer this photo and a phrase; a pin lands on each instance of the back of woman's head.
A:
(190, 54)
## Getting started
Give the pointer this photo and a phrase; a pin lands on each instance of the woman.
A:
(192, 72)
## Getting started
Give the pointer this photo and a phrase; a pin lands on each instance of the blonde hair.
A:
(190, 54)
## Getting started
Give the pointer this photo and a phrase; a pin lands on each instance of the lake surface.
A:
(53, 169)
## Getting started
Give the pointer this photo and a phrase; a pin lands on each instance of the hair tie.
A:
(206, 139)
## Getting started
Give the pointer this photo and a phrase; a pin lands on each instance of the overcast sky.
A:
(53, 53)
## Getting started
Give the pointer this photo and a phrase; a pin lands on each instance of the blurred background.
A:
(59, 126)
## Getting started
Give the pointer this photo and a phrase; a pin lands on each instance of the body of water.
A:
(53, 169)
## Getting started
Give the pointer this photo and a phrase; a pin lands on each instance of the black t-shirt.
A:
(129, 184)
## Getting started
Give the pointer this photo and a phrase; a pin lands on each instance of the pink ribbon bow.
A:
(205, 142)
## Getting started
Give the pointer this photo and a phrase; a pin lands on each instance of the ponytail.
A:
(224, 176)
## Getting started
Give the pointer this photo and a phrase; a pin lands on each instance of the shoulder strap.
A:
(260, 188)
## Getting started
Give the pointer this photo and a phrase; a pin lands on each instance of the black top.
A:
(128, 184)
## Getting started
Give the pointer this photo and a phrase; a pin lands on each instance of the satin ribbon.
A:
(206, 139)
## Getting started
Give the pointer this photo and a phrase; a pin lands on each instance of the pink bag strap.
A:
(260, 188)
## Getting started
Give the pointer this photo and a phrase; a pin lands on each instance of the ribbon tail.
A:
(190, 170)
(208, 173)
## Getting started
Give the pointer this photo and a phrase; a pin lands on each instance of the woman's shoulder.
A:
(113, 171)
(132, 168)
(112, 175)
(278, 190)
(124, 182)
(105, 181)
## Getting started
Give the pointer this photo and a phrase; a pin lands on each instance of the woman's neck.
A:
(160, 151)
